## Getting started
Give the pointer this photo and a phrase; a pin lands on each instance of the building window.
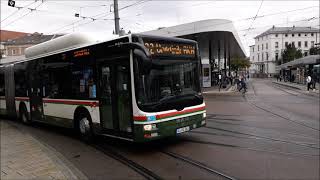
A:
(292, 43)
(286, 44)
(267, 56)
(292, 35)
(277, 56)
(276, 35)
(14, 52)
(306, 44)
(262, 47)
(299, 34)
(258, 57)
(311, 34)
(276, 45)
(266, 45)
(299, 44)
(305, 35)
(306, 53)
(262, 57)
(286, 35)
(312, 43)
(252, 49)
(258, 48)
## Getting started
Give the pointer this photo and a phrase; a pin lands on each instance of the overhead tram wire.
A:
(301, 20)
(34, 9)
(246, 19)
(18, 9)
(255, 17)
(96, 16)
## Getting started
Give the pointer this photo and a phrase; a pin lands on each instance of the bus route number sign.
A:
(82, 52)
(170, 49)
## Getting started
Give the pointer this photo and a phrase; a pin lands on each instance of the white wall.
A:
(271, 39)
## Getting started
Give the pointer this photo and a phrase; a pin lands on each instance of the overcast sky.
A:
(58, 16)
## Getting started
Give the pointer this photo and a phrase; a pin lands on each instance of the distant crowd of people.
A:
(310, 79)
(240, 81)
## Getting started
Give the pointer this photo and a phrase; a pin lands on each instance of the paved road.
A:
(270, 133)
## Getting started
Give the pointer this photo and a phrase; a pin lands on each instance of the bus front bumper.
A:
(153, 131)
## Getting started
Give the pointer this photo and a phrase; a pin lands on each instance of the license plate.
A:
(183, 129)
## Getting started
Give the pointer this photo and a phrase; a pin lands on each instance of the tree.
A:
(314, 50)
(290, 53)
(239, 63)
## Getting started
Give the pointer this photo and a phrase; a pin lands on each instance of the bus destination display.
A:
(170, 49)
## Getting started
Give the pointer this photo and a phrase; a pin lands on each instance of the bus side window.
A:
(83, 84)
(56, 79)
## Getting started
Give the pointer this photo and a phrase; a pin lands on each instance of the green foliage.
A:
(290, 53)
(238, 63)
(314, 50)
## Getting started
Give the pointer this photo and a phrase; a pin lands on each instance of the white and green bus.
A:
(136, 87)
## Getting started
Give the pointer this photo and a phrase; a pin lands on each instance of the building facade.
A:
(266, 52)
(16, 47)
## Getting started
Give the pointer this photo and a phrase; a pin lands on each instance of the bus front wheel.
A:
(84, 127)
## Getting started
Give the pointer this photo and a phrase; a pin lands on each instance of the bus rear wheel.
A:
(84, 127)
(24, 115)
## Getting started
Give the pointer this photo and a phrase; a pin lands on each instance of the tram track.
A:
(276, 114)
(144, 172)
(149, 174)
(251, 149)
(294, 133)
(285, 118)
(251, 136)
(197, 164)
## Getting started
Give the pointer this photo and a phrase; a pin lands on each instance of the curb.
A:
(302, 91)
(294, 87)
(66, 167)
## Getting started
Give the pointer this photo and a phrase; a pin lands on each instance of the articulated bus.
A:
(136, 87)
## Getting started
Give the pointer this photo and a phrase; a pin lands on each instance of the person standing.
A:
(219, 81)
(308, 82)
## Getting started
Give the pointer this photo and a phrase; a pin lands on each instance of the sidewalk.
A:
(301, 87)
(23, 157)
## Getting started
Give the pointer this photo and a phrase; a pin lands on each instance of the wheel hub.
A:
(84, 125)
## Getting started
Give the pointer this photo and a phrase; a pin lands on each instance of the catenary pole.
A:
(116, 16)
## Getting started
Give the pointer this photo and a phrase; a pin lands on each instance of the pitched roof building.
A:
(6, 35)
(16, 47)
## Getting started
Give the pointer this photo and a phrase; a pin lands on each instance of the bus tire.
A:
(24, 115)
(85, 127)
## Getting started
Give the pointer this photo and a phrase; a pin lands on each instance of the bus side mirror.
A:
(143, 60)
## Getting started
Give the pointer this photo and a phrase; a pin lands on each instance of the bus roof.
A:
(78, 40)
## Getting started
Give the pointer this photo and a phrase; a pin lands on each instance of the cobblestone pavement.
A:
(23, 157)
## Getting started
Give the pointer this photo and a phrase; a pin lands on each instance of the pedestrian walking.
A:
(242, 84)
(309, 79)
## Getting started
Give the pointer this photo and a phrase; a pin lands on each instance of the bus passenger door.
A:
(115, 98)
(35, 94)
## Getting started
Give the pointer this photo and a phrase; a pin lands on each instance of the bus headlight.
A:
(150, 127)
(204, 115)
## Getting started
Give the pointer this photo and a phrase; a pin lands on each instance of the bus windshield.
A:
(170, 85)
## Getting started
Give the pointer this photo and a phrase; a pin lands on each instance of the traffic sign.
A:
(11, 3)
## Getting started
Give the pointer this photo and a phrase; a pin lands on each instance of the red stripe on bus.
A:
(140, 118)
(166, 115)
(71, 102)
(161, 116)
(22, 98)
